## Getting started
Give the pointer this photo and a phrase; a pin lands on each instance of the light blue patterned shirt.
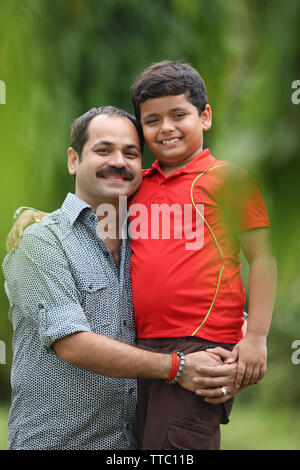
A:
(62, 279)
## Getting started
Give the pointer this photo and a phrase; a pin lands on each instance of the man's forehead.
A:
(102, 124)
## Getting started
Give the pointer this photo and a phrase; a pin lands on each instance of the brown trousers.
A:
(171, 417)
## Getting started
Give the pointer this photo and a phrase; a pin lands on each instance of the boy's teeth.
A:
(170, 141)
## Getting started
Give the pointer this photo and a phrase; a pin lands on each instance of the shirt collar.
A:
(201, 162)
(73, 206)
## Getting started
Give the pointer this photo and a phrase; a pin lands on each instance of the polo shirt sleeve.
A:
(243, 202)
(41, 288)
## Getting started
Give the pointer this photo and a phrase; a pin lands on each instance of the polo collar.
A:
(201, 162)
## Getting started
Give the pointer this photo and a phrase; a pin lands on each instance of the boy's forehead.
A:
(165, 103)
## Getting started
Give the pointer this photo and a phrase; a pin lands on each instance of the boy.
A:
(193, 299)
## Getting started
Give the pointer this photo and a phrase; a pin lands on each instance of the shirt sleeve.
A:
(40, 286)
(243, 202)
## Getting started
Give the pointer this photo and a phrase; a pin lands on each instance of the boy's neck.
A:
(168, 170)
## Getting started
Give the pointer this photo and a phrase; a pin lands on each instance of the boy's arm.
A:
(252, 352)
(23, 217)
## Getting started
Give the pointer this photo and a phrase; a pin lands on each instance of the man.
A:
(71, 307)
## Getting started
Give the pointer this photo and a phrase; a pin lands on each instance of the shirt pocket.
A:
(93, 291)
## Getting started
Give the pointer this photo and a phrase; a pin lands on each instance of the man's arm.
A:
(203, 373)
(40, 282)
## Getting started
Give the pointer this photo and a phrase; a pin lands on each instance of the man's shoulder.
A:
(50, 229)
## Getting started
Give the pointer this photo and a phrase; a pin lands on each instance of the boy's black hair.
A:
(169, 78)
(79, 129)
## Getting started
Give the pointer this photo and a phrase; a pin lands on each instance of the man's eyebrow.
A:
(102, 142)
(132, 146)
(108, 143)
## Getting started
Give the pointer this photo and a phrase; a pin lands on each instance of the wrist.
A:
(178, 363)
(256, 335)
(20, 210)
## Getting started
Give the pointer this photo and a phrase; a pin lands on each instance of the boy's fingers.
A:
(11, 239)
(247, 379)
(240, 374)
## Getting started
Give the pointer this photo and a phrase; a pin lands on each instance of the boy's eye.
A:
(179, 115)
(151, 121)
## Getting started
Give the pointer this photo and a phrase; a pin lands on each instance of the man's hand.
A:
(193, 360)
(213, 380)
(26, 218)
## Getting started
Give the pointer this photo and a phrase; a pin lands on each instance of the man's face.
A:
(111, 163)
(173, 129)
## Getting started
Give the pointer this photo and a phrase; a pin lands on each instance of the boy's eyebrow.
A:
(178, 108)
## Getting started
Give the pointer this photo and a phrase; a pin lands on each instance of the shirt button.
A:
(131, 390)
(40, 306)
(125, 323)
(91, 287)
(163, 186)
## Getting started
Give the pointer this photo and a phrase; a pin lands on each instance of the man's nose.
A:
(118, 160)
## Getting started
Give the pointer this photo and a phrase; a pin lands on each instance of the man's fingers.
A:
(222, 399)
(212, 382)
(209, 392)
(222, 353)
(217, 371)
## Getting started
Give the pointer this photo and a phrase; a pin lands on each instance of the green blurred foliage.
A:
(62, 57)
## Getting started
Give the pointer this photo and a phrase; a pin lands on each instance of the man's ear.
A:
(206, 117)
(73, 161)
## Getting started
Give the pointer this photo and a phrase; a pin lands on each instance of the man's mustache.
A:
(113, 171)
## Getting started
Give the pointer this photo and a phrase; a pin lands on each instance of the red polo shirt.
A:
(185, 266)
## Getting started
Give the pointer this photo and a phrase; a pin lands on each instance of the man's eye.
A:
(132, 155)
(102, 151)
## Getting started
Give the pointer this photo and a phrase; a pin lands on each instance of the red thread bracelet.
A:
(174, 367)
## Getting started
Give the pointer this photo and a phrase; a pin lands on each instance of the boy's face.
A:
(173, 129)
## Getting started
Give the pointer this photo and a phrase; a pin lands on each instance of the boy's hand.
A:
(251, 354)
(26, 218)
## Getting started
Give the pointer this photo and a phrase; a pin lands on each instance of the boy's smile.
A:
(173, 129)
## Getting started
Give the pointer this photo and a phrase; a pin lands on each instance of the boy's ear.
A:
(73, 161)
(206, 117)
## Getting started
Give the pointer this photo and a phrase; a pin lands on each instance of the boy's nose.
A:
(167, 125)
